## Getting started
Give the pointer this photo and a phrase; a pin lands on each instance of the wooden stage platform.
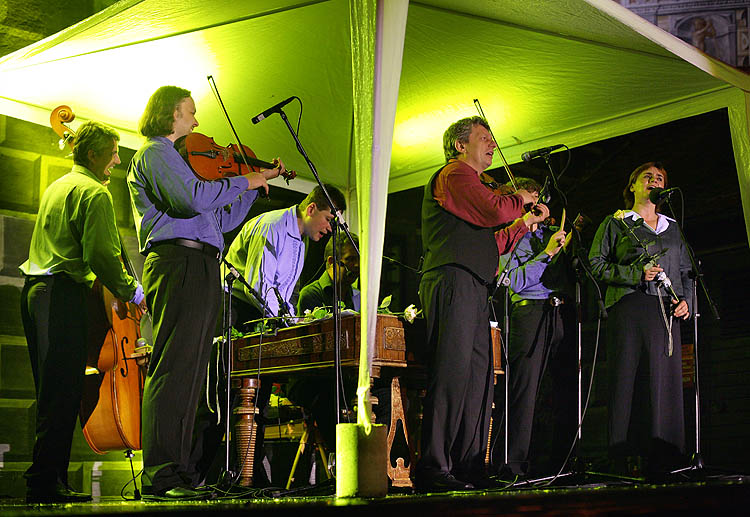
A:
(727, 495)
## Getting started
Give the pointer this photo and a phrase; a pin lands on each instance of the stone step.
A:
(98, 478)
(16, 378)
(17, 428)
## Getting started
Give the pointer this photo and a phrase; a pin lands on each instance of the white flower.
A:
(619, 215)
(410, 313)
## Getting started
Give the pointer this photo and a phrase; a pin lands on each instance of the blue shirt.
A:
(534, 275)
(268, 252)
(170, 202)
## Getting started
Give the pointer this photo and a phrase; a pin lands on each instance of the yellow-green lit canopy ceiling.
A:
(545, 71)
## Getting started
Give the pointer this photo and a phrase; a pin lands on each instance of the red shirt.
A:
(457, 189)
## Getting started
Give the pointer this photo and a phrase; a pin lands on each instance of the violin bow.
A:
(497, 147)
(215, 90)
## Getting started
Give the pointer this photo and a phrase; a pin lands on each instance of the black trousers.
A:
(540, 336)
(183, 293)
(458, 402)
(210, 420)
(54, 314)
(642, 371)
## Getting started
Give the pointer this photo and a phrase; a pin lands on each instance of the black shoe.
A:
(440, 482)
(58, 494)
(178, 493)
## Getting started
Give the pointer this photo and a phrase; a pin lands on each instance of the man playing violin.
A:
(542, 330)
(180, 221)
(462, 248)
(75, 242)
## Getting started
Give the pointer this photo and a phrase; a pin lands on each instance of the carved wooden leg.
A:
(244, 428)
(400, 475)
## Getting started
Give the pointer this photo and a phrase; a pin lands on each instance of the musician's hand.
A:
(650, 273)
(527, 196)
(257, 180)
(681, 309)
(556, 243)
(536, 215)
(277, 171)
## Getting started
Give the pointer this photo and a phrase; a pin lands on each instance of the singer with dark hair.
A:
(462, 248)
(637, 253)
(180, 221)
(541, 334)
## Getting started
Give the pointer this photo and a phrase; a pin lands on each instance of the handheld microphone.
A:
(530, 155)
(657, 195)
(273, 109)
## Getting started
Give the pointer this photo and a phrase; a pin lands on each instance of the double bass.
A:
(110, 412)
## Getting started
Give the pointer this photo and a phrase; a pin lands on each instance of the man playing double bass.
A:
(180, 221)
(75, 242)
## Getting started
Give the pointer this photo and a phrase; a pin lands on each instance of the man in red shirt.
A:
(462, 246)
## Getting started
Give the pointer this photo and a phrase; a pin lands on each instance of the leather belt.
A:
(554, 301)
(208, 249)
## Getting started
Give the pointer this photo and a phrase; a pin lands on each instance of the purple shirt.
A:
(170, 202)
(269, 252)
(528, 266)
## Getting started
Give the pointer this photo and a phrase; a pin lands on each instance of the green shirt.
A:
(75, 233)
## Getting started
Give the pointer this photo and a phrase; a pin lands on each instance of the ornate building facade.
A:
(717, 27)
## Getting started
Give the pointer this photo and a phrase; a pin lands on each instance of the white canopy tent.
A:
(545, 71)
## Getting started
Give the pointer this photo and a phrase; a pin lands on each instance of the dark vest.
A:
(449, 240)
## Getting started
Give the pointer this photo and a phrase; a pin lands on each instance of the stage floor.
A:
(727, 495)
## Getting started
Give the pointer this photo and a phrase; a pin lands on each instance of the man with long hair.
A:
(180, 221)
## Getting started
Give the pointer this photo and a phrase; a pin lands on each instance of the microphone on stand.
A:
(273, 109)
(657, 195)
(530, 155)
(283, 308)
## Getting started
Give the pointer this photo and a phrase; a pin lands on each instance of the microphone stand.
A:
(503, 279)
(579, 265)
(228, 477)
(697, 465)
(338, 223)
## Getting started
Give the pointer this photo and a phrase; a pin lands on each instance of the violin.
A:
(211, 161)
(117, 356)
(497, 188)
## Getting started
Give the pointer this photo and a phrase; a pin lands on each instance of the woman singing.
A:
(638, 253)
